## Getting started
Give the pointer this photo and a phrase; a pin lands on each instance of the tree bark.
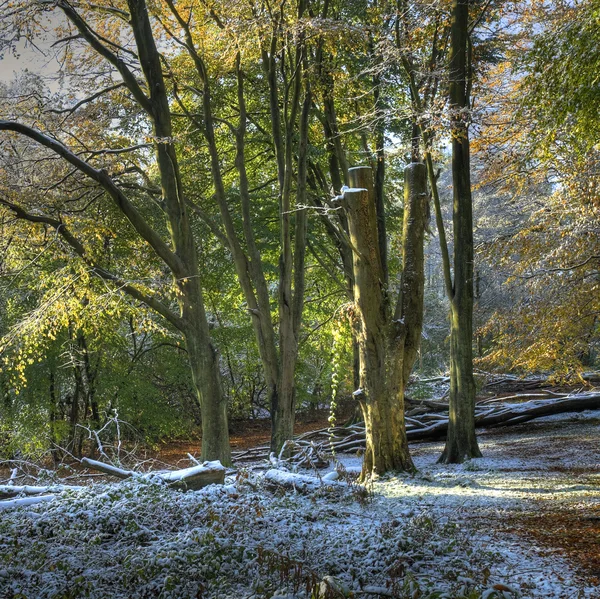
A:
(292, 233)
(388, 343)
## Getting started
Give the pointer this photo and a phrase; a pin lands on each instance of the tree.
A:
(289, 99)
(539, 149)
(179, 253)
(388, 339)
(461, 441)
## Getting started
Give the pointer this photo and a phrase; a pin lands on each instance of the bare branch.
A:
(128, 77)
(86, 100)
(545, 271)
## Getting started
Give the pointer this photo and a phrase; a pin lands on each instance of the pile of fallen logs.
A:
(427, 420)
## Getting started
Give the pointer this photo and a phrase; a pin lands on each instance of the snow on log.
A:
(196, 477)
(299, 482)
(25, 501)
(193, 478)
(429, 420)
(107, 468)
(7, 491)
(508, 415)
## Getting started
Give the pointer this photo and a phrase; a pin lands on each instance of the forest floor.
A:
(523, 521)
(538, 484)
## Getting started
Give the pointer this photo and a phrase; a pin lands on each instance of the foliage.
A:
(536, 134)
(539, 260)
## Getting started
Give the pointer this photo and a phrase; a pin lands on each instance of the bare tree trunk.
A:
(53, 413)
(88, 377)
(388, 343)
(380, 174)
(204, 364)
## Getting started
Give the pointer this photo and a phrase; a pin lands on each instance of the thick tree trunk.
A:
(461, 443)
(283, 407)
(387, 345)
(206, 374)
(204, 364)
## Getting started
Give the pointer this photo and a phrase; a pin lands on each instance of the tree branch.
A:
(128, 77)
(103, 178)
(86, 100)
(62, 229)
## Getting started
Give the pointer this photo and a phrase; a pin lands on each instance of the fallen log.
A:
(196, 477)
(510, 415)
(8, 491)
(107, 469)
(434, 426)
(25, 501)
(299, 482)
(192, 479)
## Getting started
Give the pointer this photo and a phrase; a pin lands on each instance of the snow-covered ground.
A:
(438, 534)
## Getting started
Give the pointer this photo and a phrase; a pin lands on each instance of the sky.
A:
(28, 58)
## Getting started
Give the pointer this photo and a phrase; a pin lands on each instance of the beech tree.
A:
(461, 442)
(539, 149)
(451, 39)
(283, 52)
(177, 250)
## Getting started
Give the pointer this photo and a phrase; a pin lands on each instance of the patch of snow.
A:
(177, 475)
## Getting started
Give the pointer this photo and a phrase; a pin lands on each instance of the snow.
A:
(346, 189)
(436, 534)
(302, 482)
(178, 475)
(25, 501)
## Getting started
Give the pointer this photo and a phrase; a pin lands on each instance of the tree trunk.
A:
(206, 377)
(54, 415)
(293, 247)
(387, 345)
(203, 357)
(179, 253)
(461, 443)
(88, 377)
